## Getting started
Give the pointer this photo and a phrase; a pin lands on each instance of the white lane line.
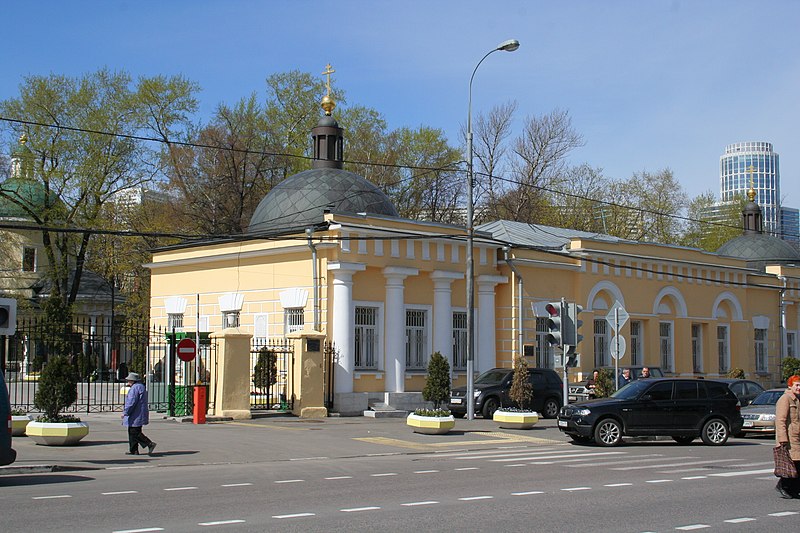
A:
(484, 454)
(426, 471)
(52, 497)
(556, 457)
(308, 458)
(695, 477)
(639, 467)
(573, 489)
(652, 457)
(384, 474)
(295, 515)
(619, 485)
(414, 504)
(290, 481)
(693, 526)
(658, 481)
(578, 460)
(527, 493)
(237, 485)
(740, 520)
(119, 492)
(132, 468)
(181, 488)
(473, 498)
(745, 473)
(466, 468)
(338, 477)
(221, 523)
(359, 509)
(143, 530)
(784, 513)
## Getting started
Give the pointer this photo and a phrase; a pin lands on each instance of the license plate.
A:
(562, 423)
(748, 423)
(455, 401)
(573, 398)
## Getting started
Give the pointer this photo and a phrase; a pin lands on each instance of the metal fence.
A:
(271, 363)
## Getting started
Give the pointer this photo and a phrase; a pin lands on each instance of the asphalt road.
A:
(546, 484)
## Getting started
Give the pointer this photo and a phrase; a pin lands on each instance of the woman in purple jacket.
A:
(135, 415)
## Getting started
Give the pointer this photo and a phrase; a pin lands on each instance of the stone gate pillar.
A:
(308, 374)
(232, 374)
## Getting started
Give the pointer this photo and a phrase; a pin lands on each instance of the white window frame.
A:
(760, 337)
(459, 341)
(378, 336)
(261, 326)
(175, 321)
(601, 338)
(724, 348)
(204, 324)
(426, 337)
(294, 318)
(666, 345)
(697, 347)
(791, 344)
(637, 356)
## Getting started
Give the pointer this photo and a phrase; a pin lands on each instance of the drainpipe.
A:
(782, 325)
(309, 234)
(510, 263)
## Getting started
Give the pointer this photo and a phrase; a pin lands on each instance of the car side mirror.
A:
(646, 397)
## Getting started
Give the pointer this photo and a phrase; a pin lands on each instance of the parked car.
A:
(744, 389)
(683, 409)
(759, 416)
(578, 391)
(7, 453)
(492, 388)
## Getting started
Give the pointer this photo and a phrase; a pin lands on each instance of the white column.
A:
(486, 339)
(443, 312)
(394, 326)
(343, 327)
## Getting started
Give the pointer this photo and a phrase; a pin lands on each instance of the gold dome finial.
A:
(23, 138)
(751, 192)
(327, 101)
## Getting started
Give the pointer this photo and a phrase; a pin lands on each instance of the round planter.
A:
(515, 419)
(19, 423)
(56, 433)
(431, 425)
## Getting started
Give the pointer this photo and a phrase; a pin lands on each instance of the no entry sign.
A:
(187, 349)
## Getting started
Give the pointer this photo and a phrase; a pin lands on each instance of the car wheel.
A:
(715, 432)
(608, 432)
(551, 407)
(490, 406)
(683, 439)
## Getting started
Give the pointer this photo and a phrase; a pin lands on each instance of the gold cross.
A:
(751, 169)
(328, 71)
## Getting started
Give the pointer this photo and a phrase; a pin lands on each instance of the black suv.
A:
(492, 388)
(683, 409)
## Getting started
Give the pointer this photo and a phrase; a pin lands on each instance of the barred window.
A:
(366, 338)
(697, 348)
(459, 340)
(636, 343)
(175, 321)
(544, 352)
(761, 350)
(665, 346)
(601, 343)
(416, 339)
(293, 319)
(723, 349)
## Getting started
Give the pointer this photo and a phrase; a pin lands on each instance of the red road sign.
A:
(187, 349)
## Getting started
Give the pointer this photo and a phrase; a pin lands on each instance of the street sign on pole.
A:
(617, 316)
(186, 349)
(618, 346)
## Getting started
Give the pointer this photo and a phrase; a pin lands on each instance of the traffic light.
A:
(575, 324)
(8, 316)
(555, 323)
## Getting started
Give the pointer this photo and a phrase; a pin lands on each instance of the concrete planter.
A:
(57, 433)
(515, 419)
(430, 425)
(19, 423)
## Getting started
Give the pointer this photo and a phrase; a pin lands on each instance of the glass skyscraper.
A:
(735, 175)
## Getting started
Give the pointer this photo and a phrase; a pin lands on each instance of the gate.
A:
(271, 364)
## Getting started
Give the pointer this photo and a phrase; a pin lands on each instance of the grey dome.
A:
(300, 200)
(759, 249)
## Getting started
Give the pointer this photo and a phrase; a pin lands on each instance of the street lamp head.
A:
(510, 45)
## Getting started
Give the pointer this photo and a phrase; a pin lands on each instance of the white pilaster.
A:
(343, 318)
(394, 339)
(486, 326)
(443, 312)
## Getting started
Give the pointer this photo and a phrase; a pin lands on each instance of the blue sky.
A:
(649, 84)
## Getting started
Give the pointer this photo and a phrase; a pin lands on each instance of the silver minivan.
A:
(7, 453)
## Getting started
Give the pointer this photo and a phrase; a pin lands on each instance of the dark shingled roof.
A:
(759, 249)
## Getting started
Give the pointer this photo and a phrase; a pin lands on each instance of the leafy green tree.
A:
(265, 373)
(712, 224)
(736, 373)
(437, 384)
(604, 386)
(521, 392)
(790, 367)
(57, 388)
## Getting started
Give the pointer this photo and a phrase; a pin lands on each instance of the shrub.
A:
(604, 386)
(790, 367)
(521, 392)
(57, 389)
(437, 384)
(736, 373)
(265, 373)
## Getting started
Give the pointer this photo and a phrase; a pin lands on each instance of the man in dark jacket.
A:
(135, 415)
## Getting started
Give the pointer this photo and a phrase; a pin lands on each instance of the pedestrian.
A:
(135, 415)
(591, 385)
(122, 371)
(645, 373)
(624, 378)
(787, 434)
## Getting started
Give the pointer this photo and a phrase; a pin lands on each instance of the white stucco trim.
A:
(680, 302)
(735, 305)
(609, 287)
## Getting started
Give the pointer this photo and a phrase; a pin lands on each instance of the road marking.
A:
(693, 526)
(290, 481)
(338, 477)
(221, 523)
(517, 465)
(573, 489)
(640, 467)
(784, 513)
(181, 488)
(119, 492)
(131, 468)
(51, 497)
(745, 473)
(618, 485)
(426, 471)
(695, 477)
(307, 458)
(654, 457)
(658, 481)
(588, 456)
(358, 509)
(237, 485)
(527, 493)
(295, 515)
(472, 498)
(413, 504)
(466, 468)
(143, 530)
(740, 520)
(489, 454)
(384, 474)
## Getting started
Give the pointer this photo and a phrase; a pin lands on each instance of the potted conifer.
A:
(57, 390)
(436, 421)
(520, 415)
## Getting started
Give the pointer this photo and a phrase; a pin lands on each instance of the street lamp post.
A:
(507, 46)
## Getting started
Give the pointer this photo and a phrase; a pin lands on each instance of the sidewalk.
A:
(272, 438)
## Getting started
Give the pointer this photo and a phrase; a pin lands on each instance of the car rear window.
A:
(717, 390)
(686, 390)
